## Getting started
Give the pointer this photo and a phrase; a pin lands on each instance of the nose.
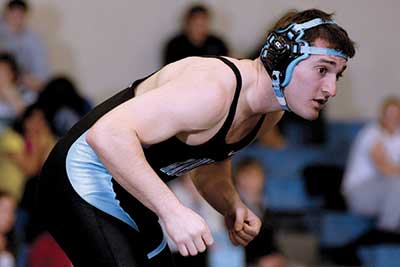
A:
(329, 88)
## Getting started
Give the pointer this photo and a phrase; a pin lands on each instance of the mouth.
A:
(321, 102)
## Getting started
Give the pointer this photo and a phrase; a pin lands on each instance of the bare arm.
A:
(147, 119)
(382, 162)
(215, 183)
(30, 161)
(152, 117)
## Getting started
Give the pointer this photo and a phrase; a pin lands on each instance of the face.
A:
(391, 117)
(35, 123)
(7, 211)
(198, 26)
(6, 74)
(313, 83)
(15, 18)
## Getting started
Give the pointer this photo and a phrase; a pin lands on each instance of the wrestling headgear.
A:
(285, 48)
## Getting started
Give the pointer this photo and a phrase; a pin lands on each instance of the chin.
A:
(309, 115)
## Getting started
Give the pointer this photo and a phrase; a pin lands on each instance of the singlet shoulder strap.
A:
(250, 136)
(228, 122)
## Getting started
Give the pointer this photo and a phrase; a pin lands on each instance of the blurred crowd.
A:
(36, 109)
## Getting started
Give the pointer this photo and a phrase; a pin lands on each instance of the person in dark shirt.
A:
(195, 39)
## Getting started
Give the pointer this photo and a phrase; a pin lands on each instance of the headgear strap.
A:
(284, 49)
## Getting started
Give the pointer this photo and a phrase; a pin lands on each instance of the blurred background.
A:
(105, 45)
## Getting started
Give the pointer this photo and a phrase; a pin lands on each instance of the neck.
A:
(261, 99)
(390, 130)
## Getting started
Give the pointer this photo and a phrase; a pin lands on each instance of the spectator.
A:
(39, 140)
(250, 180)
(13, 99)
(372, 178)
(12, 179)
(17, 38)
(62, 104)
(195, 38)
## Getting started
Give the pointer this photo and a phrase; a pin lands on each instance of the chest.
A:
(237, 131)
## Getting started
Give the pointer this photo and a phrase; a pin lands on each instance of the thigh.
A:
(91, 237)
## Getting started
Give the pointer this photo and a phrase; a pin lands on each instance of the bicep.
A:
(165, 111)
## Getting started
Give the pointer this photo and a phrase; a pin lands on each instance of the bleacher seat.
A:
(380, 256)
(284, 163)
(287, 194)
(338, 228)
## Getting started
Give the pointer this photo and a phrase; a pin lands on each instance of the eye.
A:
(338, 76)
(322, 70)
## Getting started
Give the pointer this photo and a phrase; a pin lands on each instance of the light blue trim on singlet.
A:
(158, 249)
(91, 180)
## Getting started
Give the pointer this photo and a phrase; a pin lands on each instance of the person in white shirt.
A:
(372, 177)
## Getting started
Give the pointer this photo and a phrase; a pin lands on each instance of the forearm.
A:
(382, 161)
(386, 167)
(392, 170)
(216, 186)
(121, 153)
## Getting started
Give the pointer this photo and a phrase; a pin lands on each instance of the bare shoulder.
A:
(247, 71)
(189, 96)
(209, 79)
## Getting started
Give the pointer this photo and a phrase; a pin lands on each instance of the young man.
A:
(196, 38)
(103, 186)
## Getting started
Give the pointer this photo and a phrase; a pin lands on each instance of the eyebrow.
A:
(330, 62)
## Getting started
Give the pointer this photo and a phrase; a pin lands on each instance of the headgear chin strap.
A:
(284, 49)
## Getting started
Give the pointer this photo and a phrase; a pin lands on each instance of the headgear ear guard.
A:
(284, 49)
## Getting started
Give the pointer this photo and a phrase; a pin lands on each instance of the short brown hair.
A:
(386, 103)
(18, 4)
(195, 10)
(335, 35)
